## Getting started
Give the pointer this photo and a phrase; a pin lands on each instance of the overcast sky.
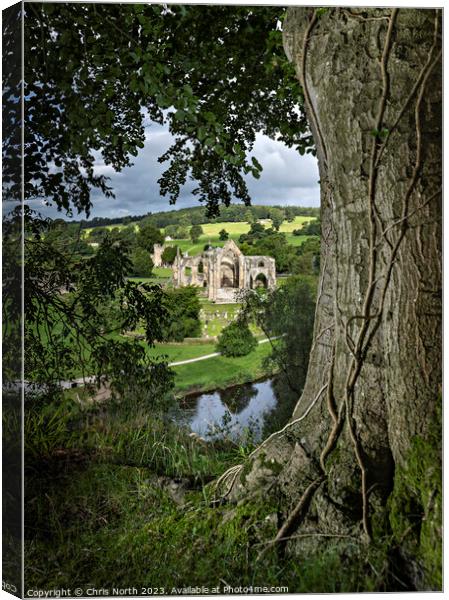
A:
(287, 178)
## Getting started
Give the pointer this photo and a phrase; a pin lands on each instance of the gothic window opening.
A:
(261, 281)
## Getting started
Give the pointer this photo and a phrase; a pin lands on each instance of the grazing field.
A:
(86, 232)
(211, 234)
(287, 227)
(298, 240)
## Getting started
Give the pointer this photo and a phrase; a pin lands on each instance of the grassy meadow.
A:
(222, 371)
(130, 506)
(161, 275)
(176, 352)
(235, 229)
(211, 234)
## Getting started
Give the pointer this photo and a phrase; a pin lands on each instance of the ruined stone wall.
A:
(157, 255)
(221, 266)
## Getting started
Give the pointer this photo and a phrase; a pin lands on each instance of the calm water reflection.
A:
(236, 412)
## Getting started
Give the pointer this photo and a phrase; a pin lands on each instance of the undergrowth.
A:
(120, 499)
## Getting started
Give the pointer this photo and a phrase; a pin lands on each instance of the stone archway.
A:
(260, 281)
(229, 274)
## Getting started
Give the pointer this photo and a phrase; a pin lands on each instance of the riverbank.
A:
(214, 373)
(221, 372)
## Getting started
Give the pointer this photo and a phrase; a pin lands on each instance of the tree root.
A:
(298, 513)
(295, 518)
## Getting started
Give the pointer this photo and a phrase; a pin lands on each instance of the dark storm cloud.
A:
(287, 178)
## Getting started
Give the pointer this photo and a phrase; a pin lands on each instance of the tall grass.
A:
(116, 498)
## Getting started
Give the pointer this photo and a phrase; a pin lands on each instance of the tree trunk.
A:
(372, 89)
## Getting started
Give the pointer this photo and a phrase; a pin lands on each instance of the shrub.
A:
(236, 340)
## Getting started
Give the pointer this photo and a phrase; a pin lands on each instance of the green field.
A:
(158, 273)
(217, 372)
(162, 272)
(220, 371)
(86, 232)
(161, 275)
(178, 352)
(235, 230)
(298, 240)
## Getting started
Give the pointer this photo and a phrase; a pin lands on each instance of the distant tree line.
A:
(197, 215)
(138, 244)
(107, 221)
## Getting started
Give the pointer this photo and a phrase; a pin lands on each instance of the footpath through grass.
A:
(222, 371)
(182, 351)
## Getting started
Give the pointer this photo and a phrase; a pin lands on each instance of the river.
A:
(246, 412)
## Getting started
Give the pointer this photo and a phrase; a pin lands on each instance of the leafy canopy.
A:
(95, 73)
(77, 307)
(148, 236)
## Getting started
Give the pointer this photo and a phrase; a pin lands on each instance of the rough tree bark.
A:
(372, 88)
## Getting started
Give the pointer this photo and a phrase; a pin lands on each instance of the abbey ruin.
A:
(224, 271)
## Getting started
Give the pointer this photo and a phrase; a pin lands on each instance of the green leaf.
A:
(256, 163)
